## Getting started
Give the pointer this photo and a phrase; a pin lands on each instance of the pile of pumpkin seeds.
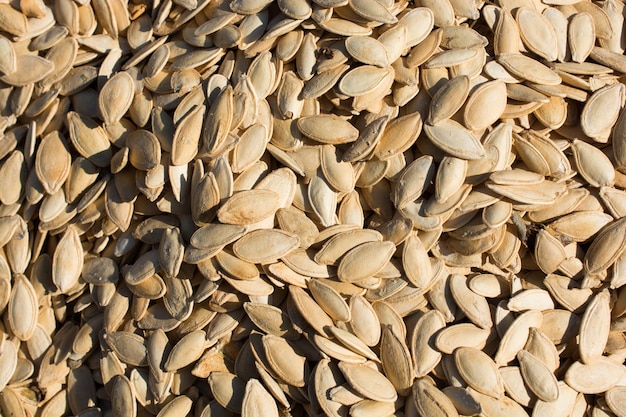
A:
(360, 208)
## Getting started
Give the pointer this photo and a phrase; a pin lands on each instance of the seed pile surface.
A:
(359, 208)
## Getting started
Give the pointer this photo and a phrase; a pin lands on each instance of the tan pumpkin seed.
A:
(516, 336)
(265, 245)
(365, 261)
(327, 129)
(581, 33)
(89, 139)
(283, 359)
(180, 405)
(22, 308)
(129, 347)
(595, 121)
(372, 10)
(364, 322)
(323, 200)
(270, 319)
(330, 300)
(238, 208)
(545, 193)
(494, 407)
(79, 399)
(425, 49)
(396, 361)
(462, 400)
(479, 371)
(115, 97)
(8, 64)
(537, 33)
(362, 80)
(368, 382)
(122, 396)
(429, 400)
(186, 137)
(12, 178)
(416, 263)
(563, 404)
(398, 136)
(527, 68)
(367, 50)
(336, 350)
(339, 175)
(451, 58)
(448, 99)
(615, 399)
(425, 356)
(473, 305)
(606, 247)
(594, 328)
(599, 376)
(539, 379)
(492, 94)
(327, 376)
(353, 343)
(394, 40)
(531, 299)
(419, 23)
(257, 401)
(39, 68)
(413, 181)
(67, 262)
(10, 361)
(186, 351)
(454, 139)
(310, 310)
